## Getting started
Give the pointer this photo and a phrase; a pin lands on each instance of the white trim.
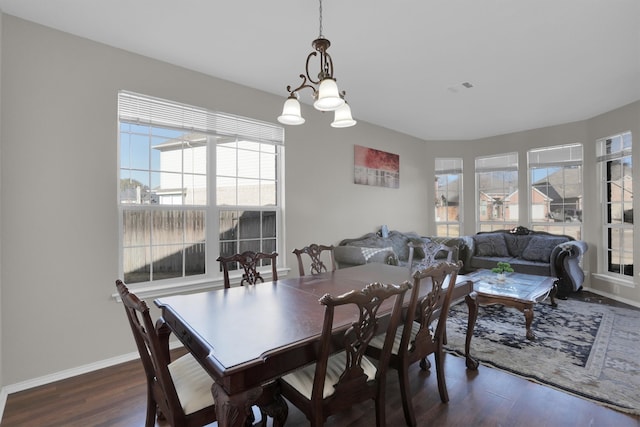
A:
(69, 373)
(3, 401)
(615, 279)
(157, 290)
(614, 297)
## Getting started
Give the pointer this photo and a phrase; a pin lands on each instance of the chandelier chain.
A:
(320, 36)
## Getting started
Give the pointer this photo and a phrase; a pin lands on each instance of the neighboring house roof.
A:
(550, 184)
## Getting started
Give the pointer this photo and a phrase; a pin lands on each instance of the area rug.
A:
(586, 349)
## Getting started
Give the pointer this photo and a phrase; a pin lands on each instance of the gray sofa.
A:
(393, 249)
(530, 252)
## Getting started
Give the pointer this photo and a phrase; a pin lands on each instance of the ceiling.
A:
(531, 63)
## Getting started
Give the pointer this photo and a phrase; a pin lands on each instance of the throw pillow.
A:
(399, 243)
(383, 255)
(418, 252)
(540, 248)
(491, 244)
(348, 255)
(516, 244)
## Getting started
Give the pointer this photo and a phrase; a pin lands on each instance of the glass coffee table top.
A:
(524, 287)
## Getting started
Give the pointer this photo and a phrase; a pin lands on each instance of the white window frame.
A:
(602, 159)
(560, 157)
(497, 163)
(155, 112)
(445, 170)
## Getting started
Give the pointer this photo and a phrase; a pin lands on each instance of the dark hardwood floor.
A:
(115, 397)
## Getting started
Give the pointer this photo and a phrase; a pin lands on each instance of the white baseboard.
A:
(3, 401)
(57, 376)
(613, 297)
(68, 373)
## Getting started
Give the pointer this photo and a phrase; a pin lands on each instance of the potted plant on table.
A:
(501, 269)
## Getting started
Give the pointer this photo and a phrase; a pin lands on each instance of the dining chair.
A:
(415, 339)
(179, 390)
(249, 261)
(314, 251)
(429, 250)
(338, 380)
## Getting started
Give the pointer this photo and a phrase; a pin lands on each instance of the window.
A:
(615, 164)
(448, 200)
(194, 184)
(555, 189)
(497, 192)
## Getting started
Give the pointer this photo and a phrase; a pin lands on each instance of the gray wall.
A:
(58, 176)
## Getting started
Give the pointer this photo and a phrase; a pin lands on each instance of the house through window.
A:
(193, 184)
(497, 192)
(616, 166)
(448, 200)
(555, 183)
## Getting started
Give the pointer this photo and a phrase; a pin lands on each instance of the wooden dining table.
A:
(248, 336)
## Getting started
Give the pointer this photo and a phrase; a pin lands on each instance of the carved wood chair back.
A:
(337, 381)
(179, 390)
(415, 339)
(429, 250)
(315, 253)
(249, 262)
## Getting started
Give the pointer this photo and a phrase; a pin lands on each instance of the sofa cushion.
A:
(516, 243)
(490, 245)
(518, 264)
(357, 255)
(379, 255)
(540, 247)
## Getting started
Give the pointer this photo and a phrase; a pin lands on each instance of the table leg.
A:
(528, 316)
(233, 411)
(552, 294)
(272, 403)
(472, 305)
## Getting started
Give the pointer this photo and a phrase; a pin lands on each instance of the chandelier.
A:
(325, 89)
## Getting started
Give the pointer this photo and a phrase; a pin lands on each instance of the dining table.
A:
(246, 337)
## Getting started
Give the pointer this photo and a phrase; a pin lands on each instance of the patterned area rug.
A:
(587, 349)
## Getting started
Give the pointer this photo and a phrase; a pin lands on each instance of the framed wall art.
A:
(375, 167)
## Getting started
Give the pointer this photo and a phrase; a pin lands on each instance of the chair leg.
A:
(442, 384)
(425, 364)
(405, 393)
(317, 420)
(380, 410)
(152, 409)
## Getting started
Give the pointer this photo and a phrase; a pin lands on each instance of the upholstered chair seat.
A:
(302, 379)
(193, 384)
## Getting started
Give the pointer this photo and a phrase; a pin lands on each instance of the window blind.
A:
(143, 109)
(448, 166)
(561, 155)
(615, 147)
(502, 162)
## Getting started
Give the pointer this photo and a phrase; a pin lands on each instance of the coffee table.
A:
(517, 290)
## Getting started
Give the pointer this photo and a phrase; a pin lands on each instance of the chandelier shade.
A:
(328, 98)
(291, 112)
(342, 117)
(325, 88)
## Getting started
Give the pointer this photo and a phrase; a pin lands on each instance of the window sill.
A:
(152, 291)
